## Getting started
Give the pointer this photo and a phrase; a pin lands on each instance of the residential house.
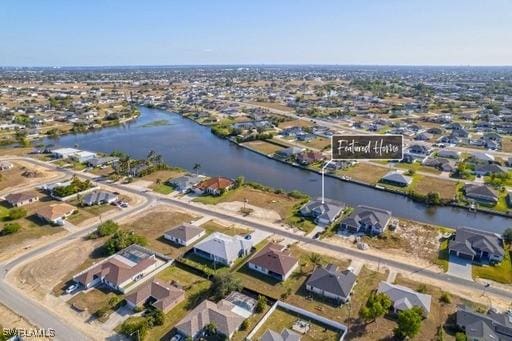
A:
(223, 249)
(22, 198)
(227, 315)
(493, 326)
(324, 212)
(287, 153)
(185, 234)
(99, 198)
(274, 262)
(489, 168)
(102, 161)
(404, 298)
(285, 335)
(122, 269)
(480, 193)
(365, 219)
(332, 283)
(159, 295)
(82, 156)
(481, 157)
(55, 213)
(185, 183)
(308, 157)
(214, 186)
(397, 178)
(477, 245)
(64, 153)
(448, 153)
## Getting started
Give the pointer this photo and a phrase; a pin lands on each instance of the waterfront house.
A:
(308, 157)
(404, 298)
(185, 234)
(214, 186)
(274, 262)
(102, 161)
(330, 282)
(477, 245)
(480, 193)
(223, 249)
(323, 213)
(64, 153)
(185, 183)
(365, 219)
(397, 178)
(287, 153)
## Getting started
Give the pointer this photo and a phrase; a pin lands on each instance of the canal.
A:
(184, 143)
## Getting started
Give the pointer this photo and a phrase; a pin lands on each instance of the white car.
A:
(71, 288)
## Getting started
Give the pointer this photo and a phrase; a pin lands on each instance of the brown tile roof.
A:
(21, 196)
(166, 296)
(217, 182)
(55, 211)
(272, 258)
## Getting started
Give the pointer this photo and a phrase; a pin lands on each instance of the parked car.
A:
(71, 288)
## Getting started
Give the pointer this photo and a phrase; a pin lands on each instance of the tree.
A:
(122, 239)
(239, 181)
(196, 167)
(135, 326)
(106, 229)
(445, 298)
(433, 198)
(261, 304)
(17, 213)
(460, 337)
(10, 228)
(376, 306)
(315, 258)
(211, 328)
(409, 323)
(507, 235)
(224, 283)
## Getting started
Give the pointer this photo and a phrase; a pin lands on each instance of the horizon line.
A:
(252, 65)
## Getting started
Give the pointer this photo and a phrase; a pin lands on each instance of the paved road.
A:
(42, 316)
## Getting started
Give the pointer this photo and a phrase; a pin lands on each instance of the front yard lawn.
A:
(91, 300)
(162, 188)
(213, 226)
(443, 255)
(501, 272)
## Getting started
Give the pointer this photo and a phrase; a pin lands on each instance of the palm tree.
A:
(315, 258)
(196, 168)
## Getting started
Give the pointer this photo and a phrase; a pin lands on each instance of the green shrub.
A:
(17, 213)
(10, 228)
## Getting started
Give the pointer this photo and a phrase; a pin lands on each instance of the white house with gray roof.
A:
(223, 249)
(186, 182)
(477, 245)
(332, 283)
(404, 298)
(185, 234)
(99, 198)
(323, 213)
(493, 326)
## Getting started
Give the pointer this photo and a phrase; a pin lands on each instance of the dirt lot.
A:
(14, 177)
(153, 225)
(295, 123)
(9, 319)
(365, 172)
(410, 239)
(271, 105)
(163, 175)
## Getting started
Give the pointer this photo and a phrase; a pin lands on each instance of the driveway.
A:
(460, 267)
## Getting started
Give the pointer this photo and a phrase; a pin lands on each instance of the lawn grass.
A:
(443, 255)
(162, 188)
(263, 147)
(213, 226)
(163, 175)
(318, 143)
(501, 273)
(365, 172)
(418, 167)
(423, 185)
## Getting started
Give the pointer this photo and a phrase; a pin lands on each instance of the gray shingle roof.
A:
(333, 281)
(404, 298)
(329, 210)
(224, 246)
(184, 231)
(492, 326)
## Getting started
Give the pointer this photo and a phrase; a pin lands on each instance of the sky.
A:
(172, 32)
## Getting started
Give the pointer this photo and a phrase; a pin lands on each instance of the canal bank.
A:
(183, 143)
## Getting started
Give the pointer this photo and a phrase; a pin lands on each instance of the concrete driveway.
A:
(460, 267)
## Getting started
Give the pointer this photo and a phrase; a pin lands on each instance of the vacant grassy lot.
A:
(295, 123)
(163, 175)
(272, 105)
(154, 224)
(11, 177)
(425, 184)
(506, 145)
(501, 272)
(281, 319)
(87, 212)
(282, 203)
(365, 172)
(92, 300)
(318, 143)
(418, 167)
(263, 146)
(232, 230)
(162, 188)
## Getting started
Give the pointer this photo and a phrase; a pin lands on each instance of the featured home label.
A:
(368, 147)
